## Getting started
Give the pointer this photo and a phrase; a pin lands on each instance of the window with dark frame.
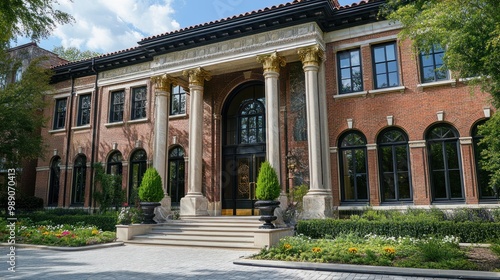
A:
(349, 71)
(444, 163)
(84, 110)
(138, 165)
(117, 103)
(431, 65)
(385, 65)
(178, 101)
(60, 113)
(139, 101)
(176, 174)
(115, 165)
(394, 165)
(79, 178)
(354, 171)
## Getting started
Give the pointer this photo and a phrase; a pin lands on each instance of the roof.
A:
(328, 14)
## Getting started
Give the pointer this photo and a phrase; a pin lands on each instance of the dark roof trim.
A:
(323, 12)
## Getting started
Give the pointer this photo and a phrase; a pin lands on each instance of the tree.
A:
(21, 105)
(74, 54)
(108, 188)
(470, 33)
(34, 19)
(22, 101)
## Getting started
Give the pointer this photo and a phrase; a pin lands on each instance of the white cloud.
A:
(109, 26)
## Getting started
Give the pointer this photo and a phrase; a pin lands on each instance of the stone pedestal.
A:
(194, 205)
(163, 211)
(317, 205)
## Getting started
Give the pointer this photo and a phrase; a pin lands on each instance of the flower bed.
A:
(58, 235)
(429, 252)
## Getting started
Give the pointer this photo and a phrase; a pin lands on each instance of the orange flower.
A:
(287, 246)
(45, 233)
(353, 250)
(316, 249)
(389, 250)
(95, 232)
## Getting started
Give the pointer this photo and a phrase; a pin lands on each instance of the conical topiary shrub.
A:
(150, 193)
(268, 185)
(268, 189)
(151, 189)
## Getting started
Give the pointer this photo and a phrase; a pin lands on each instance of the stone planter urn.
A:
(267, 208)
(148, 211)
(268, 190)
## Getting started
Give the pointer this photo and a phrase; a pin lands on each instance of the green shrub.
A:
(470, 232)
(108, 189)
(105, 222)
(151, 189)
(268, 185)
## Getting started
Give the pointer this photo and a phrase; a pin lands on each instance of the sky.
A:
(106, 26)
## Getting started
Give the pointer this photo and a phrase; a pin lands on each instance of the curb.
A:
(70, 249)
(381, 270)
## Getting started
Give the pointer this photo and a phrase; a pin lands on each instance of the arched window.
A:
(176, 175)
(138, 166)
(394, 165)
(353, 167)
(115, 165)
(79, 177)
(55, 175)
(251, 122)
(483, 176)
(444, 163)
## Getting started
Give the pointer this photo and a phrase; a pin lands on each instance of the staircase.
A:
(220, 231)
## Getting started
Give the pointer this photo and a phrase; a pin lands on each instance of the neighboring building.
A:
(24, 55)
(326, 93)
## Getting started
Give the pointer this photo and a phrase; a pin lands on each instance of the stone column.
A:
(318, 203)
(163, 85)
(272, 64)
(195, 203)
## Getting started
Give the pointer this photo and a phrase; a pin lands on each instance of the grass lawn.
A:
(430, 252)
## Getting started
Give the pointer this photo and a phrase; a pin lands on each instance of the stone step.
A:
(234, 245)
(221, 231)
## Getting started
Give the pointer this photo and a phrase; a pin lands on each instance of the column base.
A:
(163, 211)
(317, 205)
(194, 205)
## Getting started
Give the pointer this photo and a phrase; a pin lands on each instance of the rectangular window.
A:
(116, 110)
(178, 101)
(349, 71)
(431, 65)
(385, 65)
(139, 98)
(84, 110)
(60, 114)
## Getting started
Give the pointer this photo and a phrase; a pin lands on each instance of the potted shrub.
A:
(150, 194)
(268, 190)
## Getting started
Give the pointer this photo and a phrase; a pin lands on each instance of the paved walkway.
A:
(154, 262)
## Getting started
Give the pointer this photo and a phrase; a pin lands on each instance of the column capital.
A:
(271, 62)
(197, 76)
(163, 82)
(311, 56)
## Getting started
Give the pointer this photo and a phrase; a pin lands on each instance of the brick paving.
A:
(155, 262)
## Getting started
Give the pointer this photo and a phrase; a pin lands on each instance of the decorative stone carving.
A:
(163, 82)
(311, 55)
(197, 76)
(271, 62)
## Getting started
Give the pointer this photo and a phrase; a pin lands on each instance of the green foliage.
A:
(490, 154)
(352, 248)
(469, 232)
(105, 222)
(129, 215)
(29, 18)
(21, 105)
(108, 189)
(151, 189)
(268, 185)
(468, 29)
(74, 54)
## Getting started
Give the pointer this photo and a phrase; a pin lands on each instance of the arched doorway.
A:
(176, 175)
(243, 147)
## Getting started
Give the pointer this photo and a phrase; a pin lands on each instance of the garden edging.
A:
(59, 248)
(382, 270)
